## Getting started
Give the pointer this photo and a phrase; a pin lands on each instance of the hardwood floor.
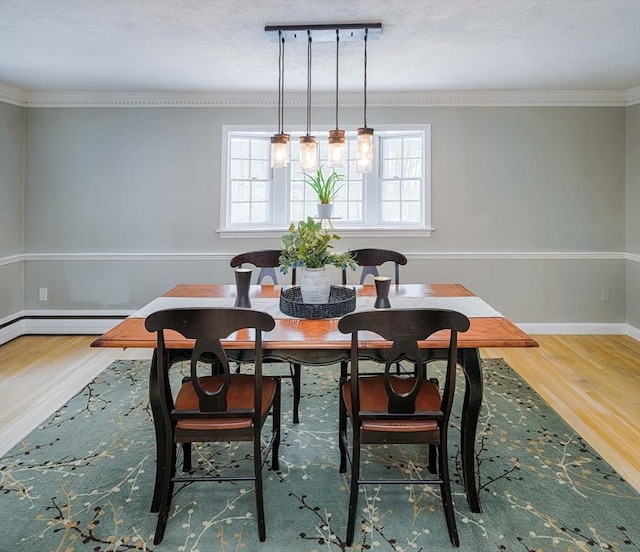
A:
(593, 382)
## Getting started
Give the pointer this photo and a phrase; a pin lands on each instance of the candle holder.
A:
(243, 282)
(382, 292)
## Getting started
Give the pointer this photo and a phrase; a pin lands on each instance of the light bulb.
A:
(308, 153)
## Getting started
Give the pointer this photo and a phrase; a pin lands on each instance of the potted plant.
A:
(326, 188)
(308, 246)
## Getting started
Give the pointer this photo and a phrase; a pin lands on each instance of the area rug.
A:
(84, 479)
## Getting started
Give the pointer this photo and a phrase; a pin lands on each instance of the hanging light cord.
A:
(280, 79)
(282, 89)
(337, 74)
(309, 82)
(366, 32)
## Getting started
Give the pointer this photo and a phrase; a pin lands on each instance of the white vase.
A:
(325, 210)
(315, 286)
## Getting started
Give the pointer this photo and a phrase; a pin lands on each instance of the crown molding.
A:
(13, 95)
(632, 96)
(453, 98)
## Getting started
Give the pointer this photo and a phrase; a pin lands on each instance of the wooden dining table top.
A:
(294, 333)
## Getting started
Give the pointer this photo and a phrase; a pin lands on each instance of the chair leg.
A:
(296, 374)
(186, 455)
(445, 489)
(166, 492)
(433, 459)
(342, 430)
(257, 470)
(275, 461)
(353, 494)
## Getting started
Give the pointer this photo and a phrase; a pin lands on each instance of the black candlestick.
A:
(382, 292)
(243, 282)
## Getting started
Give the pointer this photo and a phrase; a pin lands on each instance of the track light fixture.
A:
(308, 143)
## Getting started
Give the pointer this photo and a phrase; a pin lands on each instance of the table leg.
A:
(472, 366)
(161, 433)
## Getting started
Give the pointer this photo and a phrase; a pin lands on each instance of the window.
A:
(393, 198)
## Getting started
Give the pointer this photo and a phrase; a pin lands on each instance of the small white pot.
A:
(315, 285)
(325, 210)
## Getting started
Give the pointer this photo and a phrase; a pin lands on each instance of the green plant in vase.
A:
(326, 188)
(308, 246)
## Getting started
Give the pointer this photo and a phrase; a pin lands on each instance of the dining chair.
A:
(217, 407)
(267, 260)
(393, 409)
(370, 259)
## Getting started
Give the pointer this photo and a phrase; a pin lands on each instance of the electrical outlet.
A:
(42, 294)
(606, 295)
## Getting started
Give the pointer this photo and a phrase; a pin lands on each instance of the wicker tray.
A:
(341, 301)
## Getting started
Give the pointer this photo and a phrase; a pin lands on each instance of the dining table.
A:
(317, 342)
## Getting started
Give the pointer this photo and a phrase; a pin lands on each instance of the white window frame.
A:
(280, 190)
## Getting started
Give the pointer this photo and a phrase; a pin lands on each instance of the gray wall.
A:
(633, 214)
(146, 180)
(12, 124)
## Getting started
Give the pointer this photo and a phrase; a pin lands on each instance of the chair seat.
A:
(240, 397)
(373, 398)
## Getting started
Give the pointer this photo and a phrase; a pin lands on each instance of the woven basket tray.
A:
(341, 301)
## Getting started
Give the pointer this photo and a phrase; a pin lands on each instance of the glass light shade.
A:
(337, 149)
(308, 153)
(279, 151)
(364, 162)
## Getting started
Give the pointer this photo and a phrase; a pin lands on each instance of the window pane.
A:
(355, 191)
(239, 213)
(239, 168)
(411, 211)
(392, 168)
(297, 190)
(260, 149)
(391, 211)
(391, 148)
(260, 191)
(260, 169)
(411, 190)
(390, 190)
(297, 211)
(413, 147)
(413, 168)
(240, 148)
(259, 212)
(240, 191)
(355, 211)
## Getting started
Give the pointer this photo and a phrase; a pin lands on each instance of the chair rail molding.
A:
(421, 255)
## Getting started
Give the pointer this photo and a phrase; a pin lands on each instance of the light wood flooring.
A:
(593, 382)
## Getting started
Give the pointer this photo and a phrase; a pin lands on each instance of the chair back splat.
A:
(371, 259)
(267, 260)
(217, 407)
(399, 409)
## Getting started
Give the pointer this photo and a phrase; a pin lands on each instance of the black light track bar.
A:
(325, 33)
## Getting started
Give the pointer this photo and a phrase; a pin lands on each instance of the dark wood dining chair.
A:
(267, 260)
(211, 408)
(371, 259)
(389, 408)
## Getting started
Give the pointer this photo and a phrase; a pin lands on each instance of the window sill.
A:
(354, 232)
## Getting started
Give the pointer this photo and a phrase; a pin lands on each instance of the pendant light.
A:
(337, 146)
(364, 162)
(280, 141)
(308, 144)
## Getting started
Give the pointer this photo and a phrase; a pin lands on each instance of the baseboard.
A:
(98, 322)
(583, 328)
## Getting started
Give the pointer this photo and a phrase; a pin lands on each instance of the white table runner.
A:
(473, 307)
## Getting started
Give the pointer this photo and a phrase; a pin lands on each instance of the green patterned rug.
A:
(84, 479)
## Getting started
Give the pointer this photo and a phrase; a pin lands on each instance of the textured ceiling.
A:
(220, 45)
